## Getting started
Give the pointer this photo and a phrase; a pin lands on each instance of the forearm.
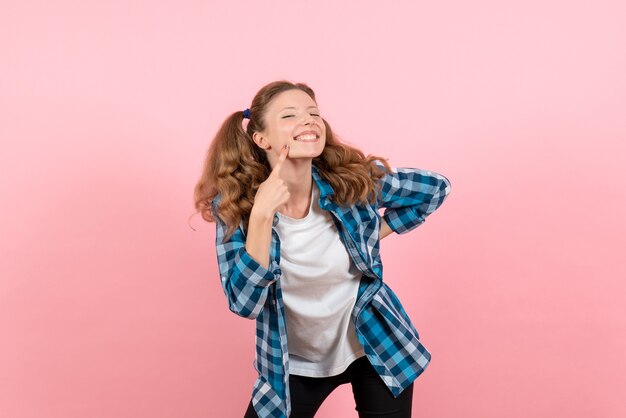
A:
(409, 195)
(259, 238)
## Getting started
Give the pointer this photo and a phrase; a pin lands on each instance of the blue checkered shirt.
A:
(383, 328)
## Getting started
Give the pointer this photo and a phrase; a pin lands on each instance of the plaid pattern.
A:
(390, 340)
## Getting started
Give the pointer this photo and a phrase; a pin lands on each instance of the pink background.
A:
(111, 306)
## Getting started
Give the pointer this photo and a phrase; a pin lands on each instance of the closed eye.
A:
(290, 116)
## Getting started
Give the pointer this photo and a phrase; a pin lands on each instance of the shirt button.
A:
(275, 221)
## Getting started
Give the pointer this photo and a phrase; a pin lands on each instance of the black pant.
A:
(372, 397)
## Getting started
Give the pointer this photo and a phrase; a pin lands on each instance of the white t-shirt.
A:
(319, 284)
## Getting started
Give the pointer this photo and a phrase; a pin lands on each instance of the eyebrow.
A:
(291, 107)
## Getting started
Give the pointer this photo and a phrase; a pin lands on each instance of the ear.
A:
(260, 140)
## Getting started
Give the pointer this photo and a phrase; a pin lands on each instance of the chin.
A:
(304, 154)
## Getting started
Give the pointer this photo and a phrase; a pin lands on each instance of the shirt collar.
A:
(325, 187)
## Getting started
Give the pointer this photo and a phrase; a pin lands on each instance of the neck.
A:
(297, 175)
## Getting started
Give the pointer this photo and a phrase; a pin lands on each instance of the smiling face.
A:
(293, 118)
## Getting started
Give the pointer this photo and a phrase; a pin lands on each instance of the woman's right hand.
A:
(273, 193)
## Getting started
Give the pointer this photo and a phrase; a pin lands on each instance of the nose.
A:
(308, 119)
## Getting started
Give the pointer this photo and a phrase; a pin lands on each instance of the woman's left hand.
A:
(384, 229)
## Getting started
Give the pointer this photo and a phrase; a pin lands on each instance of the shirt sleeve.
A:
(409, 195)
(244, 280)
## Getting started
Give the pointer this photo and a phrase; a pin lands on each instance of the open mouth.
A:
(306, 138)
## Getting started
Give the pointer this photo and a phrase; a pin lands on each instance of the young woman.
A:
(297, 241)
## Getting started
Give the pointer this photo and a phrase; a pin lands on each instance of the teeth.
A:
(307, 137)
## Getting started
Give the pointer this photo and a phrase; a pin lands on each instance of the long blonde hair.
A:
(235, 166)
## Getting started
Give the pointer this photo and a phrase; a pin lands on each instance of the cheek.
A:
(286, 131)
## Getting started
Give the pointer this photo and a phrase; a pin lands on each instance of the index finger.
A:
(282, 157)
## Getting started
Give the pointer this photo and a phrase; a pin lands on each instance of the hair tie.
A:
(246, 114)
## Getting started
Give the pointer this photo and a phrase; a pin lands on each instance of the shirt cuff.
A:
(402, 220)
(253, 272)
